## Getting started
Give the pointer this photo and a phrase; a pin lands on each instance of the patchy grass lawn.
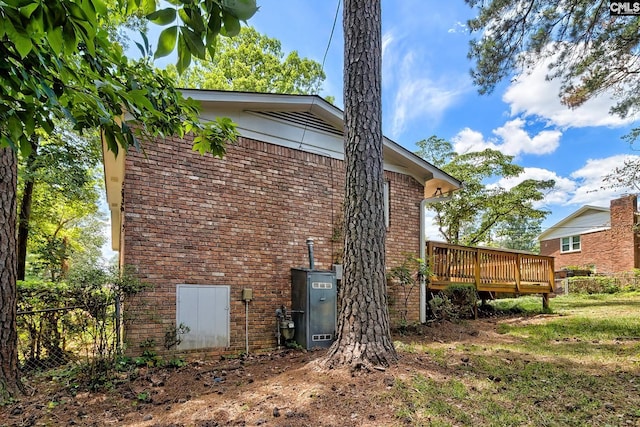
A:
(578, 365)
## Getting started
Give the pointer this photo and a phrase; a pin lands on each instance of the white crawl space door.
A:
(205, 310)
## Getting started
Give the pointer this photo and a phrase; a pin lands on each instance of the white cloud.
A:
(532, 94)
(583, 186)
(416, 95)
(387, 40)
(590, 181)
(511, 139)
(458, 27)
(420, 99)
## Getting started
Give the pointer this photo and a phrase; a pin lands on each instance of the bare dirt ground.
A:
(283, 388)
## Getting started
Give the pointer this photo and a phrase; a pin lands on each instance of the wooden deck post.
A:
(545, 302)
(518, 272)
(477, 269)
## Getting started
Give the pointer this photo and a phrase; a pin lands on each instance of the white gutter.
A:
(423, 250)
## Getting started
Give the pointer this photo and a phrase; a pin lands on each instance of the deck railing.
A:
(490, 270)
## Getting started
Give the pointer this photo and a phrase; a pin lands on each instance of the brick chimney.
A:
(624, 233)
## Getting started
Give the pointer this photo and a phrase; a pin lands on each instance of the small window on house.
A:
(386, 204)
(570, 244)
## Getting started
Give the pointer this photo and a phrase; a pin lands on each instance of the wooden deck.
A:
(490, 270)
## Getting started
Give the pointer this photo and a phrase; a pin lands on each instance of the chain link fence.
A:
(75, 320)
(597, 284)
(55, 336)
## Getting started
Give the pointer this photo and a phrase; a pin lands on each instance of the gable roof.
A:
(303, 122)
(587, 219)
(310, 123)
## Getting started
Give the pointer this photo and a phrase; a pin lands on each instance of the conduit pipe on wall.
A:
(246, 326)
(423, 251)
(247, 296)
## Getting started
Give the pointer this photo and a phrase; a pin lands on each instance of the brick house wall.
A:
(610, 251)
(240, 221)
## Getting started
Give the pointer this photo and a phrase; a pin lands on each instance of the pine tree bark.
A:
(10, 383)
(363, 336)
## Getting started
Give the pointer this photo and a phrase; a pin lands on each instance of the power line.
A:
(333, 27)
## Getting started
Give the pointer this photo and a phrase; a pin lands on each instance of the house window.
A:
(570, 244)
(386, 204)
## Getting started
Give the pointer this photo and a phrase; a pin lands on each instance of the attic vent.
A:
(302, 118)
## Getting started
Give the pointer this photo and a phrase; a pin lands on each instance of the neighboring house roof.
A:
(587, 219)
(303, 122)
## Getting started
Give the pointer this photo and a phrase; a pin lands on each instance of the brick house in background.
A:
(604, 240)
(201, 229)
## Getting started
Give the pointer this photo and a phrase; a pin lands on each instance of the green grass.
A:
(578, 366)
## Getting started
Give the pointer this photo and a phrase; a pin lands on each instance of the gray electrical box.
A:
(314, 299)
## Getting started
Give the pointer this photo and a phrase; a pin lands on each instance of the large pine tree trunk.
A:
(9, 374)
(363, 336)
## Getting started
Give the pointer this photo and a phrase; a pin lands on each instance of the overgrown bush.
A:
(441, 308)
(623, 282)
(593, 285)
(75, 317)
(457, 301)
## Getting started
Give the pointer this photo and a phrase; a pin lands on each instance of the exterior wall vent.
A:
(302, 118)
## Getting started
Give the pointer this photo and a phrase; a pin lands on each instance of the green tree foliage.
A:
(589, 49)
(252, 62)
(479, 212)
(61, 176)
(521, 233)
(60, 63)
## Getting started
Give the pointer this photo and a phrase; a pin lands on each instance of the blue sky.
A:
(427, 90)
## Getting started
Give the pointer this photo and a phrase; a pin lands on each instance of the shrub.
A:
(594, 285)
(441, 308)
(405, 279)
(457, 301)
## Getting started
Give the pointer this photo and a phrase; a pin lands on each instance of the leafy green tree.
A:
(521, 233)
(588, 48)
(65, 224)
(626, 176)
(363, 332)
(60, 63)
(478, 211)
(252, 62)
(57, 185)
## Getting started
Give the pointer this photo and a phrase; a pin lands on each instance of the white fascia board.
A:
(267, 102)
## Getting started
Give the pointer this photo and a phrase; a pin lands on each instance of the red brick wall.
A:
(240, 221)
(611, 251)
